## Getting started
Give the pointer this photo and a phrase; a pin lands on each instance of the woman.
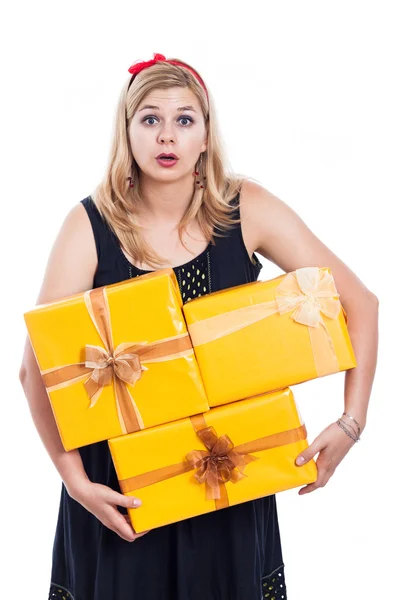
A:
(186, 212)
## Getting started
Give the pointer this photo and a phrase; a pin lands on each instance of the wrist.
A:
(348, 431)
(350, 426)
(72, 472)
(77, 487)
(356, 413)
(351, 418)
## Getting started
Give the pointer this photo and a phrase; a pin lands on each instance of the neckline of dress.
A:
(132, 266)
(143, 271)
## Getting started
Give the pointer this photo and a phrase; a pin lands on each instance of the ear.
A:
(205, 142)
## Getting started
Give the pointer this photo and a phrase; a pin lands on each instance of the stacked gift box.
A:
(193, 400)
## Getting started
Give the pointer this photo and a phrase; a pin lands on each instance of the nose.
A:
(166, 134)
(166, 138)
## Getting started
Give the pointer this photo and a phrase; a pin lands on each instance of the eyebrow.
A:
(180, 109)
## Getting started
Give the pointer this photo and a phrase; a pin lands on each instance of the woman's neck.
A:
(163, 203)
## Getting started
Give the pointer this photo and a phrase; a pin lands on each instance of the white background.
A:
(308, 98)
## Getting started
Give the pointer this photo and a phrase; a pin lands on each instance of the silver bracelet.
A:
(355, 421)
(347, 432)
(350, 427)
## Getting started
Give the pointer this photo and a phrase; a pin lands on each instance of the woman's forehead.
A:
(172, 98)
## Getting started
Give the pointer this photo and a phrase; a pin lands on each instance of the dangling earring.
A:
(130, 179)
(196, 173)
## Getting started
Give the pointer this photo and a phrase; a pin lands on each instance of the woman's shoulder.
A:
(72, 261)
(265, 218)
(252, 195)
(252, 207)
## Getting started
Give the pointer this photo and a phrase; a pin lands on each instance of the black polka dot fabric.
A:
(57, 592)
(194, 278)
(274, 587)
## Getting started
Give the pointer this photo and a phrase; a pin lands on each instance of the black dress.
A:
(230, 554)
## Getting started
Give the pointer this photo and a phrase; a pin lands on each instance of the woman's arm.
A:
(70, 270)
(273, 229)
(68, 464)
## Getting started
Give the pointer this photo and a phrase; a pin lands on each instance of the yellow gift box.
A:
(116, 359)
(266, 335)
(229, 455)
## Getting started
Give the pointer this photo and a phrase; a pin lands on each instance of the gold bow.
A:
(120, 366)
(309, 293)
(106, 365)
(219, 464)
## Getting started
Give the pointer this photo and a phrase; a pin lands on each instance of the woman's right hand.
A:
(102, 502)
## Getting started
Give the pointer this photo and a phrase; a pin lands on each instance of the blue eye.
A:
(185, 118)
(146, 118)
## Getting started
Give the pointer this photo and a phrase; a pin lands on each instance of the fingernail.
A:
(136, 502)
(300, 460)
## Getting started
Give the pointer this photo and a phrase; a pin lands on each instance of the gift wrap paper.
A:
(117, 359)
(266, 335)
(229, 455)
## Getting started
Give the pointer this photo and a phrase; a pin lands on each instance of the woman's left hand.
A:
(333, 445)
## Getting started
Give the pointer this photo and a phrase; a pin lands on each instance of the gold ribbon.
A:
(118, 366)
(307, 293)
(221, 462)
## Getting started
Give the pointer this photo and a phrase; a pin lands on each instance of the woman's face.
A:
(173, 124)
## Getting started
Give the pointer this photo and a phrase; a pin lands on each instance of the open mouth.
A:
(167, 161)
(167, 157)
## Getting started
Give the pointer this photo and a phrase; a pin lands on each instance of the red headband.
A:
(140, 65)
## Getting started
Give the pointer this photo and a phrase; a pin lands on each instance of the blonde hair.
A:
(116, 201)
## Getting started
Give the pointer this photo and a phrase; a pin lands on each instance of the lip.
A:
(170, 155)
(166, 163)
